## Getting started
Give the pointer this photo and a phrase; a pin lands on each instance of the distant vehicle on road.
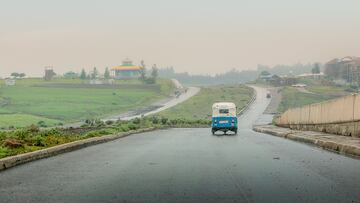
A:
(268, 95)
(224, 117)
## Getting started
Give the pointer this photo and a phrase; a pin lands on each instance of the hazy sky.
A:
(198, 36)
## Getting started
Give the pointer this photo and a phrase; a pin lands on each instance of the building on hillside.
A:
(126, 70)
(299, 85)
(265, 77)
(345, 70)
(311, 75)
(276, 80)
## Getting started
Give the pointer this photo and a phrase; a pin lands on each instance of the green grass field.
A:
(199, 107)
(291, 98)
(64, 101)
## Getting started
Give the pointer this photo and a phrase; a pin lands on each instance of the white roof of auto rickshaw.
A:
(223, 105)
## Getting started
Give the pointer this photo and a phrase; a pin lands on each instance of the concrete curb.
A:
(349, 146)
(12, 161)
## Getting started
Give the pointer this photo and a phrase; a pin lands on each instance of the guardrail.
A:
(247, 106)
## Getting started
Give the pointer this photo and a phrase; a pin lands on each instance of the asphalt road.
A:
(189, 165)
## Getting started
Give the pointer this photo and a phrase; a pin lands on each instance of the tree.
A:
(316, 69)
(154, 72)
(107, 73)
(70, 75)
(21, 75)
(265, 73)
(94, 73)
(143, 72)
(83, 74)
(15, 75)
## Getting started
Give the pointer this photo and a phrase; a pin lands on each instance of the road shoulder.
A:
(349, 146)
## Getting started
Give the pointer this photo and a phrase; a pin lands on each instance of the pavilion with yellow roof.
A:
(126, 70)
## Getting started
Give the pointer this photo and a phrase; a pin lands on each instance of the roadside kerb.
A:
(12, 161)
(340, 144)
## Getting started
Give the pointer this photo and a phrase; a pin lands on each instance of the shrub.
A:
(21, 134)
(42, 124)
(136, 121)
(99, 123)
(39, 141)
(2, 135)
(51, 132)
(109, 122)
(4, 151)
(173, 121)
(124, 128)
(92, 134)
(88, 121)
(132, 126)
(105, 132)
(164, 120)
(155, 120)
(33, 129)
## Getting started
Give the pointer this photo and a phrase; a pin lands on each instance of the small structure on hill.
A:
(126, 70)
(299, 85)
(49, 73)
(10, 82)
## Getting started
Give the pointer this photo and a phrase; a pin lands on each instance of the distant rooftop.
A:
(127, 62)
(127, 65)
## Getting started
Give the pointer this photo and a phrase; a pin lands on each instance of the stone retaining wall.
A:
(339, 116)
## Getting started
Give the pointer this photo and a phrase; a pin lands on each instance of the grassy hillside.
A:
(60, 101)
(199, 107)
(291, 97)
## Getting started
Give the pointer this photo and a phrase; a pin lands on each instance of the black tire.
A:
(213, 131)
(235, 131)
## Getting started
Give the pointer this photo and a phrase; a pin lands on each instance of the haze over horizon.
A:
(199, 36)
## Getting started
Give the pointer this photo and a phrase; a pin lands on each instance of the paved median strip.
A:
(341, 144)
(12, 161)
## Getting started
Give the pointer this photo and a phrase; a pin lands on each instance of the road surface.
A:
(189, 165)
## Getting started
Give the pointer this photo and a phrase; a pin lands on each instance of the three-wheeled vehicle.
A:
(224, 117)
